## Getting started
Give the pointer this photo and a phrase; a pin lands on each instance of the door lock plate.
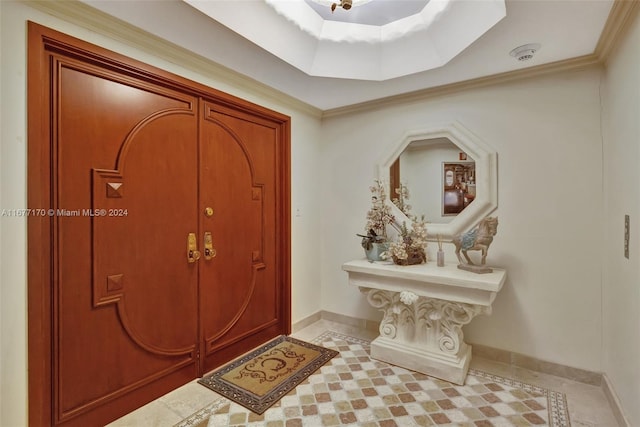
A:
(192, 248)
(209, 251)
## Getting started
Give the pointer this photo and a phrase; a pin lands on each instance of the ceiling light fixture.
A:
(345, 4)
(525, 52)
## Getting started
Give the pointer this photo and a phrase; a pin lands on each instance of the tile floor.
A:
(587, 404)
(353, 390)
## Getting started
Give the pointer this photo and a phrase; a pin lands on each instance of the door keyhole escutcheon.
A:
(208, 212)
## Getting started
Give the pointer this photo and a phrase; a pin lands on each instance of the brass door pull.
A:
(192, 248)
(209, 251)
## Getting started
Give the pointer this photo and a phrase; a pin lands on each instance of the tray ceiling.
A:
(323, 47)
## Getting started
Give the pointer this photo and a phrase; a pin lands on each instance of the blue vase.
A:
(376, 250)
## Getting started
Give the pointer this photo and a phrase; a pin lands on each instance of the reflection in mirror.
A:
(440, 176)
(459, 187)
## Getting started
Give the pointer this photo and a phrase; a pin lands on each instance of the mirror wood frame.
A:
(486, 159)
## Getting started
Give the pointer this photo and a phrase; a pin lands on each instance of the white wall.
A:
(547, 135)
(13, 327)
(621, 276)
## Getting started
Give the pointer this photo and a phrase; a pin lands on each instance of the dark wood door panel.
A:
(139, 246)
(239, 288)
(229, 186)
(126, 298)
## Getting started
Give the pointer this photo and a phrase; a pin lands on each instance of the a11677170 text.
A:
(64, 212)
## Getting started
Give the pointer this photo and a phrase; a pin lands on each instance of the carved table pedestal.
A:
(424, 308)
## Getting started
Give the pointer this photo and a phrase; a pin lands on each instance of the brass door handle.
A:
(192, 248)
(209, 251)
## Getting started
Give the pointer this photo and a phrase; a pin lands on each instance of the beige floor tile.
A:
(189, 398)
(154, 414)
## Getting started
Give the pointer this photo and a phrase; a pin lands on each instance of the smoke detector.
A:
(525, 52)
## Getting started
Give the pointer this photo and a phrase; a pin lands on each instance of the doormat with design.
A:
(260, 378)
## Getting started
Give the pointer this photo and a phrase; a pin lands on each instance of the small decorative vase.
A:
(440, 258)
(376, 250)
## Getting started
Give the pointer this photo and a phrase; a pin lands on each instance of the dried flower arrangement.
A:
(410, 248)
(378, 217)
(380, 214)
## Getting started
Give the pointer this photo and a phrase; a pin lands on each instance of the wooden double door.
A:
(159, 236)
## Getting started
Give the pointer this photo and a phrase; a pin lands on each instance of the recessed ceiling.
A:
(565, 29)
(423, 35)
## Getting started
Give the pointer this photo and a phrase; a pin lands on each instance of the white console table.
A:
(425, 307)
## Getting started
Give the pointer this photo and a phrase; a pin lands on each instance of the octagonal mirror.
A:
(451, 176)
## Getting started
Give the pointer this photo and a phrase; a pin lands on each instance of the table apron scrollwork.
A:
(431, 322)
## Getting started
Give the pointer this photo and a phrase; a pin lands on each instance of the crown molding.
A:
(82, 15)
(572, 64)
(622, 14)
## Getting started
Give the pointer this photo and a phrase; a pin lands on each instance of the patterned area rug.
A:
(354, 390)
(260, 378)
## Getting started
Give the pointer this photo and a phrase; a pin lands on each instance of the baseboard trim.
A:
(303, 323)
(614, 402)
(527, 362)
(369, 325)
(504, 356)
